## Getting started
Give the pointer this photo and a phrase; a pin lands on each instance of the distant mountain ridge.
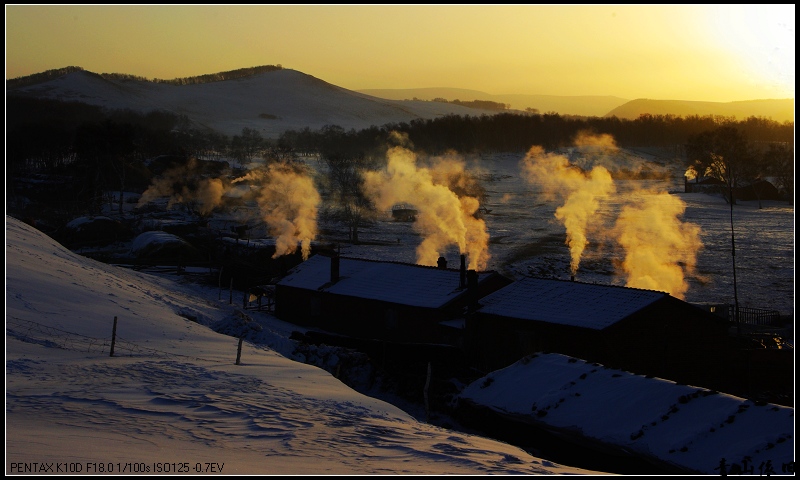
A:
(581, 105)
(780, 110)
(272, 100)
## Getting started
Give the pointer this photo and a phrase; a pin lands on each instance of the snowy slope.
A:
(172, 400)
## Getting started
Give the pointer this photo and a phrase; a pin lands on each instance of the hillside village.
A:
(495, 321)
(673, 427)
(465, 324)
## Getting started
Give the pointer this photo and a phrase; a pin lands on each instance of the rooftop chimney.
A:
(462, 283)
(334, 268)
(472, 290)
(442, 263)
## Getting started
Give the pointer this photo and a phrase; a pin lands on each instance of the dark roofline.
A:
(396, 262)
(597, 284)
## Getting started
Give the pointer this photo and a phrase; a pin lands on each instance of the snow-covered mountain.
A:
(270, 102)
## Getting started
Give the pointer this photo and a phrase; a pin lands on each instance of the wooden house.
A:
(391, 301)
(642, 331)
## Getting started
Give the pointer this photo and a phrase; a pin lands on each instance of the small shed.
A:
(643, 331)
(758, 190)
(704, 185)
(394, 301)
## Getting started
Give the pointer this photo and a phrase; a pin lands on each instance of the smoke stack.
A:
(472, 290)
(572, 278)
(334, 268)
(442, 263)
(463, 273)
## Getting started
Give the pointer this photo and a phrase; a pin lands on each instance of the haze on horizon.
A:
(718, 53)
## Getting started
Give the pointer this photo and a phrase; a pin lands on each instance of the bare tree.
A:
(725, 154)
(344, 178)
(779, 160)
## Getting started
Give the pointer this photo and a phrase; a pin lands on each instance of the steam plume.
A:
(287, 199)
(444, 218)
(659, 247)
(579, 190)
(289, 203)
(182, 185)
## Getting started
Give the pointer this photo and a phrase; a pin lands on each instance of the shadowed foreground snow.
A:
(172, 400)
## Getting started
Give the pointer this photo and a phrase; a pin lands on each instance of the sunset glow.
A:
(684, 52)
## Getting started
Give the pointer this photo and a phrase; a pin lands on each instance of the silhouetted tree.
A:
(725, 154)
(247, 146)
(344, 181)
(779, 162)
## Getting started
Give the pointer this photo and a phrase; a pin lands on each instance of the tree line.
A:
(100, 150)
(506, 132)
(207, 78)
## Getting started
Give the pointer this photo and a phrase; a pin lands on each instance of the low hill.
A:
(270, 102)
(780, 110)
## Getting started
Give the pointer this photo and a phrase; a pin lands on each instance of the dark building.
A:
(641, 331)
(391, 301)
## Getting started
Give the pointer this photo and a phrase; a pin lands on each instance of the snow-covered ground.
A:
(172, 400)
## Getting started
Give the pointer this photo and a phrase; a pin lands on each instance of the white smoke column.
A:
(443, 218)
(477, 239)
(659, 249)
(289, 202)
(182, 185)
(580, 191)
(450, 171)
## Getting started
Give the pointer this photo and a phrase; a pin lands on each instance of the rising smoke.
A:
(659, 249)
(445, 217)
(182, 185)
(579, 190)
(288, 202)
(287, 198)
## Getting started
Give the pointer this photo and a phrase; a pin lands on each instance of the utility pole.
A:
(733, 257)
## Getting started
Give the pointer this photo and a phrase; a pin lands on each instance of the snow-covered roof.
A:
(401, 283)
(79, 222)
(686, 426)
(155, 238)
(567, 302)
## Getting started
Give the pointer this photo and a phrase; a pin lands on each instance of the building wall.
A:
(671, 340)
(361, 318)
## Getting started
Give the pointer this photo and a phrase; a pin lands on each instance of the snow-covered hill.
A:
(270, 102)
(172, 400)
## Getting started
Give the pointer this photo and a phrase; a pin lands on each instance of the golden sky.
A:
(685, 52)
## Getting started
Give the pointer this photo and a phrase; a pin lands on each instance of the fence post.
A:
(427, 385)
(219, 282)
(113, 337)
(239, 351)
(230, 298)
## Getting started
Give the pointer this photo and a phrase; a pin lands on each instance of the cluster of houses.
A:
(758, 190)
(495, 321)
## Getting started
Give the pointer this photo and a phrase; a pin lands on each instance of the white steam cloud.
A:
(659, 249)
(289, 203)
(580, 192)
(445, 218)
(287, 198)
